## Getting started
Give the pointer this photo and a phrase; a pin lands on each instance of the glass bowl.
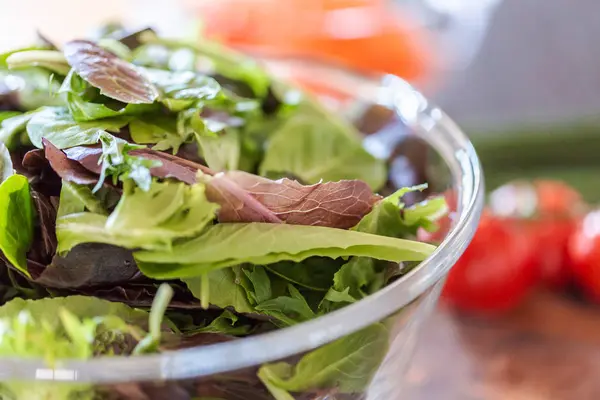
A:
(421, 143)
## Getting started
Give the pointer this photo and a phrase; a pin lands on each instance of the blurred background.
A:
(519, 318)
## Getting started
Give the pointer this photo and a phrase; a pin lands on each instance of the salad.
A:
(157, 195)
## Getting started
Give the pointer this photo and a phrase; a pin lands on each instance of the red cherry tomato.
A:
(496, 271)
(584, 253)
(548, 212)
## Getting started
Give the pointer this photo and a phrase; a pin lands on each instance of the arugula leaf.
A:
(116, 78)
(49, 59)
(6, 165)
(142, 219)
(262, 243)
(59, 127)
(76, 198)
(224, 291)
(348, 364)
(16, 221)
(314, 149)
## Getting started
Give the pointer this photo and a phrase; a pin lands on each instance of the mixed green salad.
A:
(157, 195)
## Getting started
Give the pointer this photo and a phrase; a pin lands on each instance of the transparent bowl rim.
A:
(439, 131)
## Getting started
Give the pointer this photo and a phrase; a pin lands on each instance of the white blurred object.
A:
(61, 20)
(458, 26)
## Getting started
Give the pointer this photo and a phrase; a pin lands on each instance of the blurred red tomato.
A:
(368, 35)
(496, 271)
(548, 212)
(584, 253)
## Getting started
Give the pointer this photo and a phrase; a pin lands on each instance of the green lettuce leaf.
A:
(16, 221)
(160, 130)
(362, 276)
(142, 219)
(289, 310)
(263, 243)
(6, 165)
(12, 128)
(221, 153)
(226, 323)
(85, 102)
(224, 291)
(49, 59)
(118, 163)
(347, 364)
(59, 127)
(316, 149)
(76, 198)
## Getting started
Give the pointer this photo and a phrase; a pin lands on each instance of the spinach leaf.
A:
(58, 126)
(262, 243)
(314, 149)
(16, 221)
(49, 59)
(224, 290)
(347, 364)
(116, 78)
(142, 219)
(6, 165)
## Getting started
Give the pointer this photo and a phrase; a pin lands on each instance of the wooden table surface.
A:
(548, 349)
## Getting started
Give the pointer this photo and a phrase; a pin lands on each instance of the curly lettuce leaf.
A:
(150, 219)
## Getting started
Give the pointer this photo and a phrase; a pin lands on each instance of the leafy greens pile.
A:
(133, 160)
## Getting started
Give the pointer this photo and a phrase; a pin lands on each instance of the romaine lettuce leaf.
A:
(262, 243)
